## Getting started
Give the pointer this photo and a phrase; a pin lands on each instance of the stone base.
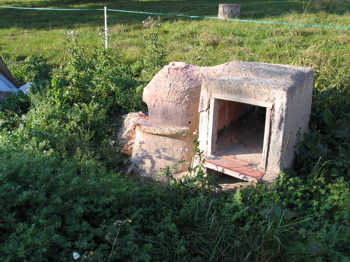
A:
(153, 152)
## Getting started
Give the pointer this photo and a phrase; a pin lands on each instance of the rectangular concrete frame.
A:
(213, 129)
(288, 104)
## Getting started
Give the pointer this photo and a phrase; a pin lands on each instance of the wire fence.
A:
(341, 27)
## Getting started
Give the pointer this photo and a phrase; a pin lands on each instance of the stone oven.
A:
(249, 117)
(165, 137)
(250, 122)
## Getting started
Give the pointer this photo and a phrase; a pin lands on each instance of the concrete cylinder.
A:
(229, 10)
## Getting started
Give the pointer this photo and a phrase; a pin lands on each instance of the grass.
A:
(194, 41)
(63, 187)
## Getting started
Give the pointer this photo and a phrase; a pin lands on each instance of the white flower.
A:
(76, 255)
(118, 223)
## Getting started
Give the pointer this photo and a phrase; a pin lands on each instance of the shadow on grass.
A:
(29, 19)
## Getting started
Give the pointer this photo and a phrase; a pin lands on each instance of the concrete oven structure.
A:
(251, 122)
(249, 117)
(164, 138)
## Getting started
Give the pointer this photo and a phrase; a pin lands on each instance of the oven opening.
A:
(239, 132)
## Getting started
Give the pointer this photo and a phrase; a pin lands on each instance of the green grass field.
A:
(63, 183)
(202, 42)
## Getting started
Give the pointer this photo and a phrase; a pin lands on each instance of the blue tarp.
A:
(6, 85)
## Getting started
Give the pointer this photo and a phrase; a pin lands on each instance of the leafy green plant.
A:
(98, 78)
(32, 69)
(74, 113)
(12, 109)
(155, 55)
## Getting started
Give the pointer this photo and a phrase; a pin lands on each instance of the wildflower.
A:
(109, 236)
(118, 222)
(76, 255)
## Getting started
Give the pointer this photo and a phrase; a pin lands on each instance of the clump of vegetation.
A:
(63, 193)
(74, 112)
(32, 69)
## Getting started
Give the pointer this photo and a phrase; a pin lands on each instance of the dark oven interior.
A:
(239, 131)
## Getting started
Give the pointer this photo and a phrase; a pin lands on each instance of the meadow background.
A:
(63, 183)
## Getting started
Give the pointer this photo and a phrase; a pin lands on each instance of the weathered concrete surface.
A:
(286, 90)
(180, 98)
(173, 94)
(154, 151)
(172, 98)
(165, 138)
(127, 132)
